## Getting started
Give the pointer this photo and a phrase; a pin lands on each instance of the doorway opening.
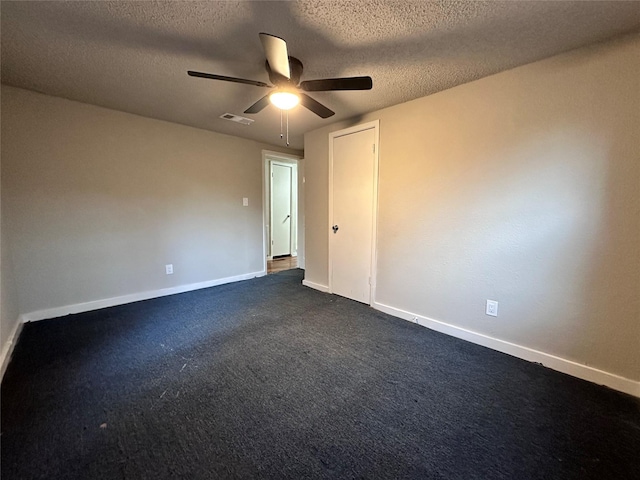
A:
(279, 264)
(282, 212)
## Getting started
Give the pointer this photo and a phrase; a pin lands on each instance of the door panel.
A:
(280, 209)
(353, 209)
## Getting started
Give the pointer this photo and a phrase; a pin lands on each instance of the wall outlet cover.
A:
(492, 308)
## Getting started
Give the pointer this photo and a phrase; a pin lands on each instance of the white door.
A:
(352, 222)
(281, 176)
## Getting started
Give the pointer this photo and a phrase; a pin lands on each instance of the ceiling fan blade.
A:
(275, 49)
(347, 83)
(315, 106)
(211, 76)
(259, 105)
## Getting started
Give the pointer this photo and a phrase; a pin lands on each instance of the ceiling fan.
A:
(284, 73)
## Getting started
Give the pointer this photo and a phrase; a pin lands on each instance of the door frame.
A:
(375, 125)
(285, 158)
(293, 217)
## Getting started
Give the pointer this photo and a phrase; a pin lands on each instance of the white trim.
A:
(293, 205)
(301, 215)
(134, 297)
(374, 240)
(375, 125)
(267, 156)
(9, 345)
(330, 216)
(315, 286)
(616, 382)
(282, 157)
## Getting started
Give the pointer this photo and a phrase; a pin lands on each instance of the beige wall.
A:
(8, 295)
(98, 201)
(522, 187)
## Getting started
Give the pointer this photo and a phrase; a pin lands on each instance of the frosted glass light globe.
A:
(284, 100)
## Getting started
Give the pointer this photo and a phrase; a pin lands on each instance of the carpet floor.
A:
(269, 379)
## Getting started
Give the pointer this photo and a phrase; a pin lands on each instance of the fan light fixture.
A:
(284, 100)
(284, 74)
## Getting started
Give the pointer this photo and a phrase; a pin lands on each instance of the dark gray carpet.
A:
(269, 379)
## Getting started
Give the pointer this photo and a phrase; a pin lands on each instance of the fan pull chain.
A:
(287, 128)
(281, 135)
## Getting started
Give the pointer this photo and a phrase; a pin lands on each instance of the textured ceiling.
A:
(133, 56)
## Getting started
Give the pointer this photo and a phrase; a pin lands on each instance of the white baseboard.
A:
(134, 297)
(315, 286)
(563, 365)
(7, 348)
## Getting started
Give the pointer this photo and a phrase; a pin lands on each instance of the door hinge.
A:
(374, 148)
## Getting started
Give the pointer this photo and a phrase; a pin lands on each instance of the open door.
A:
(281, 209)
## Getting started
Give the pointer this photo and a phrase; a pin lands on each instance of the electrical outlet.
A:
(492, 308)
(245, 202)
(169, 269)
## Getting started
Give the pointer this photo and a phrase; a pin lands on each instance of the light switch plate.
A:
(245, 202)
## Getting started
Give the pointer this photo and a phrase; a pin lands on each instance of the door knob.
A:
(335, 228)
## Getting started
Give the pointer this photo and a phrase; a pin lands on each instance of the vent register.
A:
(236, 118)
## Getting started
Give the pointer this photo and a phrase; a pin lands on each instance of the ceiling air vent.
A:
(237, 118)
